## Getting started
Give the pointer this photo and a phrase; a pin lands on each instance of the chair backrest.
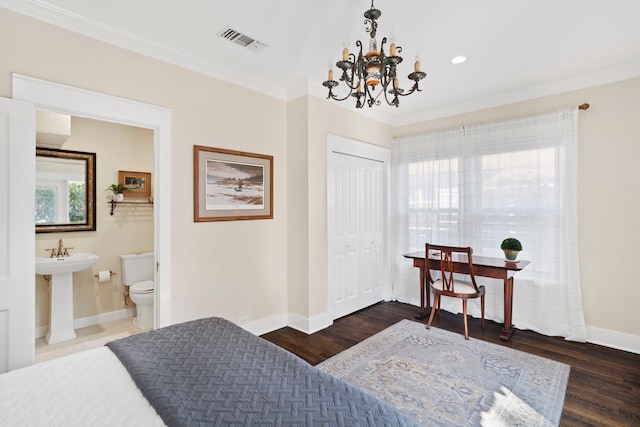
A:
(447, 256)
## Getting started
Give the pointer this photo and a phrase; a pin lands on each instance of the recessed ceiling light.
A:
(458, 59)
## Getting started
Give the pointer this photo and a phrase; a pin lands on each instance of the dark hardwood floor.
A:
(604, 384)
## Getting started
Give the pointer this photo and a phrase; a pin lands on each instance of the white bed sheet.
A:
(91, 388)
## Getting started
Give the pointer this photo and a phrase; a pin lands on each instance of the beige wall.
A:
(230, 268)
(298, 207)
(325, 118)
(129, 230)
(310, 121)
(609, 202)
(267, 268)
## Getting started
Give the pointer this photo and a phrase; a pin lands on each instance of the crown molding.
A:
(43, 11)
(625, 72)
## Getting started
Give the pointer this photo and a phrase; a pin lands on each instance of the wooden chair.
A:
(447, 285)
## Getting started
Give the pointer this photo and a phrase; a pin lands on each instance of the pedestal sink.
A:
(61, 270)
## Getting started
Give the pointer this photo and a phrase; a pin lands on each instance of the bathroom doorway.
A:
(48, 96)
(122, 228)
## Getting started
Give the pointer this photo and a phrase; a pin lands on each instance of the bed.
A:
(203, 372)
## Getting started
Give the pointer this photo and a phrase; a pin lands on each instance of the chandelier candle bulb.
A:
(330, 75)
(345, 54)
(395, 83)
(416, 66)
(392, 49)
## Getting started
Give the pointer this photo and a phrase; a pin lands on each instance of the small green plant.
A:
(511, 244)
(117, 188)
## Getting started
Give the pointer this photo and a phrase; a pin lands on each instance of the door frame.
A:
(58, 98)
(351, 147)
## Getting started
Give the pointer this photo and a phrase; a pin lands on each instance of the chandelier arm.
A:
(413, 89)
(395, 101)
(385, 68)
(416, 77)
(386, 79)
(356, 71)
(349, 80)
(363, 97)
(330, 84)
(336, 97)
(373, 100)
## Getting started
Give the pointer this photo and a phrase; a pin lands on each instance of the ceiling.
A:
(516, 50)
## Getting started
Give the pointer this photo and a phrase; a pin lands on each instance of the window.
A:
(46, 202)
(477, 185)
(60, 202)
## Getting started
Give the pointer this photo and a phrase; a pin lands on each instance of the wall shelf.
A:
(128, 202)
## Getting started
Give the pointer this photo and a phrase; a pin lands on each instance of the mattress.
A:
(199, 373)
(91, 388)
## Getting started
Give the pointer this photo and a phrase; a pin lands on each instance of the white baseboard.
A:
(295, 321)
(613, 339)
(607, 338)
(83, 322)
(309, 325)
(411, 301)
(599, 336)
(604, 337)
(267, 324)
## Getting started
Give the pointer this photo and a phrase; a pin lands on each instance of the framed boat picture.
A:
(136, 184)
(231, 185)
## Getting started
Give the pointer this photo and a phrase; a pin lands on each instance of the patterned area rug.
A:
(438, 378)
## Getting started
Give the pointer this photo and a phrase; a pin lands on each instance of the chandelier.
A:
(364, 73)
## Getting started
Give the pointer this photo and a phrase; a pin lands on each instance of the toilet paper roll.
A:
(104, 276)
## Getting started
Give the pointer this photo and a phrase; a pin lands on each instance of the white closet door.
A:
(356, 241)
(371, 227)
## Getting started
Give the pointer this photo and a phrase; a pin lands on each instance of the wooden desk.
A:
(496, 268)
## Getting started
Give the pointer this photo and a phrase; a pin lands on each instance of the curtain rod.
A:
(584, 106)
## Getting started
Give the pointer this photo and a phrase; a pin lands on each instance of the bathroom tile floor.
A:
(87, 338)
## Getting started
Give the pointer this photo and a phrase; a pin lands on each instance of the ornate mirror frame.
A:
(90, 185)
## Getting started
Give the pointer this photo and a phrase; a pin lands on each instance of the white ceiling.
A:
(516, 49)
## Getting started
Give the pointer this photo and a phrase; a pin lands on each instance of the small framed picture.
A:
(137, 184)
(231, 185)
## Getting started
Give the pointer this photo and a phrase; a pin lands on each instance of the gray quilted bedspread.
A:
(212, 372)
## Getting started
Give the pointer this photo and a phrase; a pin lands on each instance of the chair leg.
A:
(436, 301)
(464, 314)
(482, 309)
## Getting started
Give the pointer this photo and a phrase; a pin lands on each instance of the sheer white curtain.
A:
(477, 185)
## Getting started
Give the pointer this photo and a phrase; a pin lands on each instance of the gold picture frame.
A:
(138, 184)
(231, 185)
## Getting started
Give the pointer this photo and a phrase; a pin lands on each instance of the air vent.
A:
(242, 39)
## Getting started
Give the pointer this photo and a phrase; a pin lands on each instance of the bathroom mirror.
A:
(65, 194)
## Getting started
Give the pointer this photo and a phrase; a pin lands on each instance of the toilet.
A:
(137, 274)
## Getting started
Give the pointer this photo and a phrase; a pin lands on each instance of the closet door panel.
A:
(356, 264)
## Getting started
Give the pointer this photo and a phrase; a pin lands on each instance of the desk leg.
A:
(425, 293)
(507, 329)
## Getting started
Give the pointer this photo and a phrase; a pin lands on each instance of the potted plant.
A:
(118, 191)
(511, 247)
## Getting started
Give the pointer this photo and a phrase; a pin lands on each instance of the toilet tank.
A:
(136, 267)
